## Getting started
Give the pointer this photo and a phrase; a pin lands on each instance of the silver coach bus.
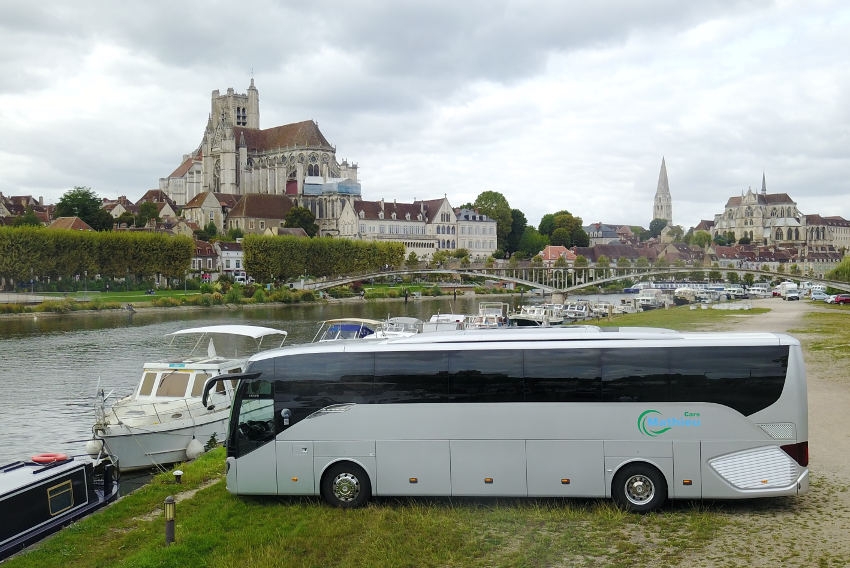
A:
(637, 414)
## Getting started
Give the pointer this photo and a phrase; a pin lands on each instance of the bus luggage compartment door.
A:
(295, 468)
(488, 467)
(413, 467)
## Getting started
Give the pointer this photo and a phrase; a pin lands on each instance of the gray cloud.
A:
(556, 104)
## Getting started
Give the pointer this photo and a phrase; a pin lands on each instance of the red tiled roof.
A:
(262, 206)
(304, 134)
(73, 223)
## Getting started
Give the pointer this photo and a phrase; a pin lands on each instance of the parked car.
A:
(818, 296)
(791, 295)
(830, 299)
(842, 299)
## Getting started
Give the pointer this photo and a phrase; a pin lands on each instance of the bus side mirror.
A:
(286, 414)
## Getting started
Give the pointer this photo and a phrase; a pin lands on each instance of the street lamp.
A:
(170, 507)
(86, 284)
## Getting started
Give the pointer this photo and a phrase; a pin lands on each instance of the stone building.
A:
(663, 204)
(237, 157)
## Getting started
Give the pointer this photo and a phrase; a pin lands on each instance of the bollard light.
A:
(170, 511)
(178, 476)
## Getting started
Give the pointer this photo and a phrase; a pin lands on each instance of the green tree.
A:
(208, 233)
(701, 239)
(233, 234)
(656, 226)
(532, 242)
(564, 229)
(494, 205)
(639, 232)
(83, 203)
(126, 218)
(561, 237)
(840, 272)
(518, 225)
(304, 218)
(29, 218)
(147, 211)
(412, 260)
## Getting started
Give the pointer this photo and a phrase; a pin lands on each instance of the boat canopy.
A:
(252, 331)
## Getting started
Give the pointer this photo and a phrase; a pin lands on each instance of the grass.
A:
(215, 529)
(680, 318)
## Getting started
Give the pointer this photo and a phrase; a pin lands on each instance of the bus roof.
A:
(523, 337)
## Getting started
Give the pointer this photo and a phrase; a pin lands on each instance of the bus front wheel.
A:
(346, 485)
(639, 487)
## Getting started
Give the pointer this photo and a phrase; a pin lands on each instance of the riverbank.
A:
(215, 528)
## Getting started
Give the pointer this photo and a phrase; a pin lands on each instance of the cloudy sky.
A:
(556, 104)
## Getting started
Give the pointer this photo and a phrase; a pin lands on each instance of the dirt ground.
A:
(811, 530)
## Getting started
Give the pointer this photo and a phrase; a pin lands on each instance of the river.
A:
(53, 365)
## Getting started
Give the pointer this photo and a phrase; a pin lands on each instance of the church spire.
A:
(663, 206)
(763, 185)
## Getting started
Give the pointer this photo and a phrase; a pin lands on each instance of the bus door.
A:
(252, 440)
(294, 458)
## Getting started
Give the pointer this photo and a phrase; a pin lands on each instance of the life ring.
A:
(49, 458)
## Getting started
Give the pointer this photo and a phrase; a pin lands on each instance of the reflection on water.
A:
(53, 365)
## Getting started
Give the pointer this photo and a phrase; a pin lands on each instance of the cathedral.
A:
(773, 219)
(237, 157)
(242, 176)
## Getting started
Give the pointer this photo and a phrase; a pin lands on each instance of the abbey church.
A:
(245, 177)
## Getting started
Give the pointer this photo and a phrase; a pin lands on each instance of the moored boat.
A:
(164, 421)
(542, 315)
(43, 494)
(490, 315)
(362, 328)
(650, 299)
(576, 311)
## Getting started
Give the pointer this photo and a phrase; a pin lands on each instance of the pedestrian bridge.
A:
(558, 279)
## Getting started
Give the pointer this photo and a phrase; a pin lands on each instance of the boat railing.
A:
(148, 413)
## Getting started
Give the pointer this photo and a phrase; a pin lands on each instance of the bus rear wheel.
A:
(346, 485)
(639, 487)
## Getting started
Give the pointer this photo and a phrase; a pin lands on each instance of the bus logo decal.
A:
(652, 423)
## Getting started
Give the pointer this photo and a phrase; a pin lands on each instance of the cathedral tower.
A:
(238, 109)
(663, 206)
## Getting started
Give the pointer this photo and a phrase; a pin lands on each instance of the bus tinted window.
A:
(747, 379)
(561, 375)
(308, 383)
(485, 376)
(411, 377)
(635, 375)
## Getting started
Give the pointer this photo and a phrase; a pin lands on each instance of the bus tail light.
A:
(798, 452)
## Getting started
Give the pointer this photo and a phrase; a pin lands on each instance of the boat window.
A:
(198, 385)
(147, 383)
(60, 497)
(173, 384)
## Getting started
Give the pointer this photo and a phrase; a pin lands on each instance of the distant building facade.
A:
(662, 207)
(774, 219)
(237, 157)
(476, 233)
